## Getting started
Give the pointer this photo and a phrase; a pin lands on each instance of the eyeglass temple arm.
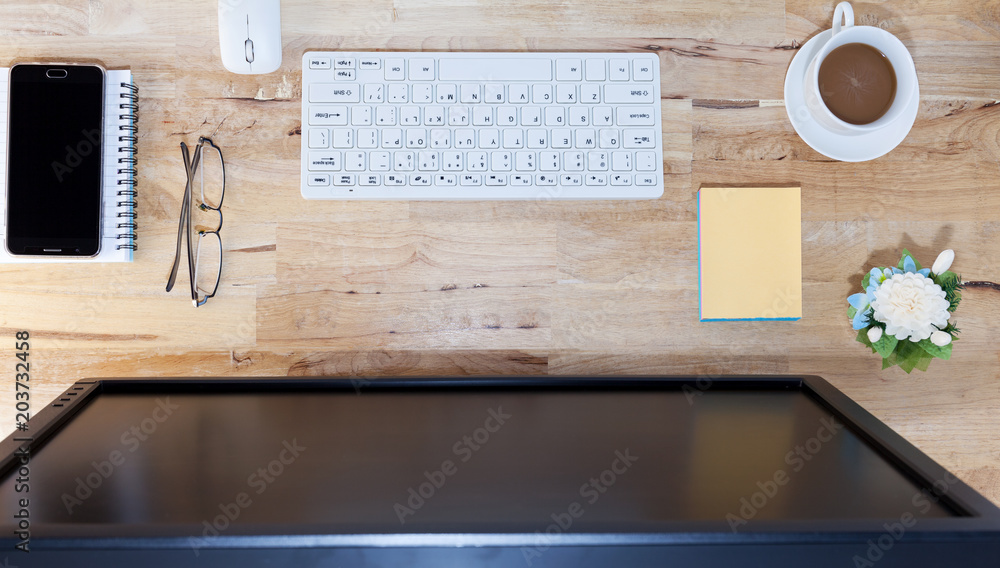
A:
(184, 221)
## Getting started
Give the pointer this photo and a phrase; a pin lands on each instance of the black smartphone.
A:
(55, 148)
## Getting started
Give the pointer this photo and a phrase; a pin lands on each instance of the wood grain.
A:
(528, 288)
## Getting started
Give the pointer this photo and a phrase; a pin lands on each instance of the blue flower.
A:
(860, 302)
(910, 266)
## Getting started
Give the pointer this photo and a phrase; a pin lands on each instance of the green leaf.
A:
(934, 350)
(851, 312)
(866, 280)
(910, 356)
(862, 338)
(885, 345)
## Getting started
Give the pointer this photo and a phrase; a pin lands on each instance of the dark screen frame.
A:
(972, 538)
(76, 74)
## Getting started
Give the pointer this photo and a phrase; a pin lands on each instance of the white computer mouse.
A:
(250, 35)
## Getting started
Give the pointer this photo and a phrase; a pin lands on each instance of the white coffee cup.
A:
(888, 44)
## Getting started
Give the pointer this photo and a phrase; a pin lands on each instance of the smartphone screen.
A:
(54, 160)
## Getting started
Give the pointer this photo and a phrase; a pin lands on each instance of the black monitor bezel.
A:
(978, 520)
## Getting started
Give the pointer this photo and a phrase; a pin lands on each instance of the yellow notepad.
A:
(750, 253)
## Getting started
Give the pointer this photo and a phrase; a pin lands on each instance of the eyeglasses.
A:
(206, 172)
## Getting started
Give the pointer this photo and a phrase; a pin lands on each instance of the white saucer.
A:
(843, 147)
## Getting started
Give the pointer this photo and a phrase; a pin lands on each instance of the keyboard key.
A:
(385, 116)
(319, 63)
(566, 93)
(603, 116)
(633, 116)
(531, 116)
(520, 180)
(471, 179)
(458, 115)
(404, 161)
(541, 94)
(395, 179)
(555, 116)
(420, 179)
(334, 93)
(440, 138)
(392, 138)
(409, 116)
(470, 94)
(621, 179)
(489, 138)
(645, 161)
(596, 179)
(513, 138)
(524, 161)
(579, 115)
(562, 138)
(354, 161)
(496, 179)
(568, 70)
(507, 116)
(343, 138)
(379, 161)
(434, 116)
(369, 63)
(328, 115)
(452, 161)
(343, 63)
(597, 161)
(416, 138)
(398, 93)
(548, 161)
(638, 138)
(447, 94)
(538, 138)
(619, 70)
(495, 69)
(344, 75)
(344, 179)
(518, 94)
(361, 116)
(494, 93)
(319, 180)
(423, 93)
(374, 93)
(477, 161)
(319, 137)
(596, 70)
(642, 70)
(395, 69)
(590, 93)
(621, 161)
(628, 94)
(501, 161)
(573, 161)
(421, 70)
(545, 179)
(608, 138)
(324, 161)
(370, 179)
(645, 179)
(482, 116)
(428, 161)
(465, 138)
(571, 179)
(586, 138)
(446, 180)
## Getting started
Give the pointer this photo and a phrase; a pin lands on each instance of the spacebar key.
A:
(508, 69)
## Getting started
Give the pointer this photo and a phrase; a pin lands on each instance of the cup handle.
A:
(843, 10)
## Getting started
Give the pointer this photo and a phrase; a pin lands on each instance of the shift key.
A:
(334, 93)
(628, 94)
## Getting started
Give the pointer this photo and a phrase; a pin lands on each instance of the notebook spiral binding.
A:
(128, 137)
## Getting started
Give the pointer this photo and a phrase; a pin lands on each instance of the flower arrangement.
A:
(904, 310)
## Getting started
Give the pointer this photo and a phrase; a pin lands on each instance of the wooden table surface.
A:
(372, 288)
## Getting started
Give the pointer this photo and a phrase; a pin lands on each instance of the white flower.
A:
(943, 262)
(874, 333)
(940, 338)
(911, 306)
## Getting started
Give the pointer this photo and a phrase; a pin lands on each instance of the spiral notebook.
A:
(118, 240)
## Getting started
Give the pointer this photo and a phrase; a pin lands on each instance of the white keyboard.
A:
(540, 126)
